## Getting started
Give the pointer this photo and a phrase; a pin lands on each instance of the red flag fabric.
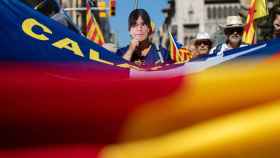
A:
(47, 112)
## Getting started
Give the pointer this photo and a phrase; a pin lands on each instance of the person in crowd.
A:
(276, 21)
(141, 51)
(203, 45)
(54, 10)
(233, 31)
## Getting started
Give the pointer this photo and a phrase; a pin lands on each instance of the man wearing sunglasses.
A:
(233, 31)
(203, 44)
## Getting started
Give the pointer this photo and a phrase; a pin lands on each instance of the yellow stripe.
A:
(99, 32)
(97, 39)
(171, 49)
(261, 9)
(91, 31)
(94, 27)
(88, 17)
(100, 35)
(249, 37)
(248, 134)
(178, 57)
(203, 96)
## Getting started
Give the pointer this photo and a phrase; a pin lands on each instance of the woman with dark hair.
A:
(276, 21)
(141, 50)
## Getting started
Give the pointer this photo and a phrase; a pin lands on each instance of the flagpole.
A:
(136, 4)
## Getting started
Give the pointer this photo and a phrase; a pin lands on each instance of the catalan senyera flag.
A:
(173, 50)
(94, 32)
(181, 119)
(258, 9)
(66, 107)
(249, 30)
(185, 53)
(177, 55)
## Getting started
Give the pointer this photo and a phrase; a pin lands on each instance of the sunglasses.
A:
(230, 31)
(198, 43)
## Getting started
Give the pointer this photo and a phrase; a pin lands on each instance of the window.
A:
(236, 10)
(219, 13)
(214, 13)
(209, 13)
(230, 11)
(225, 12)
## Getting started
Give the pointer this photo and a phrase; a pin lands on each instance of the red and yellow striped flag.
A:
(94, 32)
(249, 30)
(258, 9)
(174, 51)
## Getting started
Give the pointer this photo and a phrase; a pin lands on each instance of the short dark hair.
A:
(135, 14)
(275, 11)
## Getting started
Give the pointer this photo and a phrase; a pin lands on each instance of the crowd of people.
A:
(142, 51)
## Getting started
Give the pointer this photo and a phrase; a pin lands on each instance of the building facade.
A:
(185, 18)
(198, 16)
(79, 18)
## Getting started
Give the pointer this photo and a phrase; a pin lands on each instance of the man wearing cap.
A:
(233, 31)
(203, 44)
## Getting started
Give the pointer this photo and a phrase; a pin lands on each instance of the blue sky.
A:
(124, 7)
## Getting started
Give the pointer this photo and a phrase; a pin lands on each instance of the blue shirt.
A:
(152, 58)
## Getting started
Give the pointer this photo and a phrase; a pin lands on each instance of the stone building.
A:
(79, 17)
(190, 17)
(185, 18)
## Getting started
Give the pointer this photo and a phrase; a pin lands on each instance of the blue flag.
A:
(27, 35)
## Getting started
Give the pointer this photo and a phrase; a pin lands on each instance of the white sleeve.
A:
(212, 51)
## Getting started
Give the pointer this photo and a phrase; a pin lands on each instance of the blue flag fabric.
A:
(261, 51)
(27, 35)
